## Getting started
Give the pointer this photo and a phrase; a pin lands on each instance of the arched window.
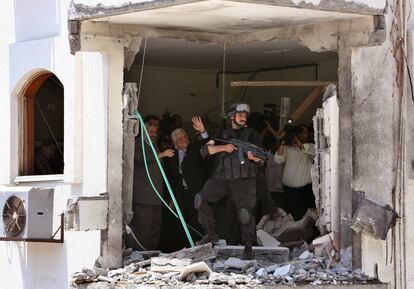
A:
(41, 126)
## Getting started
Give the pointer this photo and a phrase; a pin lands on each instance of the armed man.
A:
(231, 176)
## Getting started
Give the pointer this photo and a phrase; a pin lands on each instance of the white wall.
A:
(35, 21)
(193, 92)
(34, 37)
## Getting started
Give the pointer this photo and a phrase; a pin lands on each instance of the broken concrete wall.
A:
(130, 123)
(407, 197)
(375, 114)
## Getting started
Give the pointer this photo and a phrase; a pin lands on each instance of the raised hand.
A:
(198, 124)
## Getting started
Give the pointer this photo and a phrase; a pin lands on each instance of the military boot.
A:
(210, 237)
(247, 253)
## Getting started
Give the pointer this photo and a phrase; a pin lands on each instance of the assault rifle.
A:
(244, 147)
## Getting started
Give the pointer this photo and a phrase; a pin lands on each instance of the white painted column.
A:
(111, 239)
(112, 250)
(95, 122)
(6, 100)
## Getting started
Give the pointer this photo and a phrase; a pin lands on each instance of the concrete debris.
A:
(163, 265)
(286, 230)
(236, 265)
(284, 270)
(264, 239)
(305, 255)
(298, 250)
(113, 273)
(261, 272)
(323, 245)
(134, 257)
(200, 267)
(181, 270)
(273, 225)
(372, 219)
(196, 254)
(218, 266)
(101, 271)
(80, 277)
(268, 254)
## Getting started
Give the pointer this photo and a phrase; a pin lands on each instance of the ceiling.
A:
(167, 52)
(225, 17)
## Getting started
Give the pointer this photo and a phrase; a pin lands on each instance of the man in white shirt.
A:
(297, 182)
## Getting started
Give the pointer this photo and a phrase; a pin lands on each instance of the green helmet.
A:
(238, 107)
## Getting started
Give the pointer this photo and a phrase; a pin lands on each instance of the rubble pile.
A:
(200, 266)
(283, 257)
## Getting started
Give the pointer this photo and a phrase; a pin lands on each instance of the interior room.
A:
(182, 79)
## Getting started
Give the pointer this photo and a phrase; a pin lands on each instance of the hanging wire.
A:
(142, 68)
(223, 93)
(48, 126)
(130, 232)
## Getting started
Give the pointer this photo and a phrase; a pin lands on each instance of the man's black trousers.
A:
(243, 193)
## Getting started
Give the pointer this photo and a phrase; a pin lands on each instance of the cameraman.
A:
(298, 157)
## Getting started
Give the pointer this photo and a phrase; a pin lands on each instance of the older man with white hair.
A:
(186, 173)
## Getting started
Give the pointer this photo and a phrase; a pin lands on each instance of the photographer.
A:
(298, 155)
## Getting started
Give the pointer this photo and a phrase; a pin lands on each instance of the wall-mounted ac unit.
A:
(27, 212)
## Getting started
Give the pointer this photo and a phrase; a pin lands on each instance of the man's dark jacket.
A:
(143, 192)
(193, 169)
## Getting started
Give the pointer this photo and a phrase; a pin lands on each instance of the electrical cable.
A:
(223, 94)
(130, 232)
(142, 69)
(183, 223)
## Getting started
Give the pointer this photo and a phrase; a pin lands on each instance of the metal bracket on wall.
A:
(39, 240)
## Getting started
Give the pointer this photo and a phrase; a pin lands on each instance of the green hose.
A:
(180, 216)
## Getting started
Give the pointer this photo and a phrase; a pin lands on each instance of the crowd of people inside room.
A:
(220, 195)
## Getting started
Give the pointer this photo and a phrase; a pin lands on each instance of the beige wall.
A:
(190, 92)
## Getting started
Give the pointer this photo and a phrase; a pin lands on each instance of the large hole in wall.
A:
(182, 79)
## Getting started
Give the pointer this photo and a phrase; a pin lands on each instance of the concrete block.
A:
(274, 254)
(87, 213)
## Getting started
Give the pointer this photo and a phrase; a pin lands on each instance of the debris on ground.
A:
(285, 230)
(185, 267)
(296, 264)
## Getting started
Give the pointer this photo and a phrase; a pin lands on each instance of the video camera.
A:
(290, 133)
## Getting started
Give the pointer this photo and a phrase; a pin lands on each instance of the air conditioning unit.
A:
(27, 212)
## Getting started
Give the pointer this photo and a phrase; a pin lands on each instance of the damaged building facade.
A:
(90, 49)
